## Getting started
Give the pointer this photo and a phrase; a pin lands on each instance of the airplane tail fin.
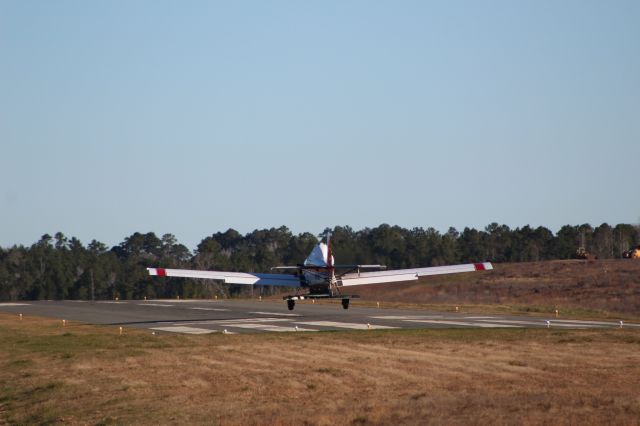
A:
(329, 255)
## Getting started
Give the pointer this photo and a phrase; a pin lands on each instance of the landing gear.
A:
(291, 299)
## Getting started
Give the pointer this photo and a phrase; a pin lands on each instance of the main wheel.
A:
(345, 303)
(291, 304)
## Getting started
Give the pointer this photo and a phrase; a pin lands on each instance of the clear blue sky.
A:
(193, 117)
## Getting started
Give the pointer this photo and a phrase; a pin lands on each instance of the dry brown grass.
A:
(84, 374)
(600, 288)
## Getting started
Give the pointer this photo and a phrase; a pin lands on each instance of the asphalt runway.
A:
(253, 316)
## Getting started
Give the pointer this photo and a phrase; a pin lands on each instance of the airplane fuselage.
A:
(317, 273)
(318, 281)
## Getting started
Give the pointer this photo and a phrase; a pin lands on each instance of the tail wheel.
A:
(345, 303)
(291, 304)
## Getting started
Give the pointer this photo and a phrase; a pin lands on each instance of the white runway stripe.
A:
(476, 318)
(407, 317)
(543, 323)
(276, 313)
(186, 330)
(155, 304)
(268, 327)
(182, 301)
(251, 320)
(466, 323)
(211, 309)
(611, 324)
(237, 321)
(15, 304)
(351, 325)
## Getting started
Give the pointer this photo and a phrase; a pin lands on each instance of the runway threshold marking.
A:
(466, 323)
(479, 318)
(268, 327)
(237, 321)
(276, 313)
(355, 326)
(607, 323)
(407, 317)
(186, 330)
(210, 309)
(543, 323)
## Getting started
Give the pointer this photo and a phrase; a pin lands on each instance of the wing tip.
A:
(159, 272)
(485, 266)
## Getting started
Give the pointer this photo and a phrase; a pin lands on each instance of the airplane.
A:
(319, 277)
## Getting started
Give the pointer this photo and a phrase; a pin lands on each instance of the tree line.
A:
(63, 268)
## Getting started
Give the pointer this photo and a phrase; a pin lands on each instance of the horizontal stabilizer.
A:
(314, 267)
(360, 267)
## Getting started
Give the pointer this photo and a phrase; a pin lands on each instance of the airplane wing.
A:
(284, 280)
(397, 275)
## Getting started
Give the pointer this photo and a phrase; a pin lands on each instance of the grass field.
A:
(81, 374)
(602, 288)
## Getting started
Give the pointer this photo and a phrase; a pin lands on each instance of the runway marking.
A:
(182, 300)
(113, 302)
(267, 327)
(351, 325)
(611, 324)
(479, 318)
(15, 304)
(625, 325)
(543, 323)
(466, 323)
(211, 309)
(276, 313)
(155, 304)
(236, 321)
(407, 317)
(186, 330)
(251, 320)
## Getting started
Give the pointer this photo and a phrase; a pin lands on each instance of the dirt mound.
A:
(608, 285)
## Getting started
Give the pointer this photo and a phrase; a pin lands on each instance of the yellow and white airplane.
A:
(319, 277)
